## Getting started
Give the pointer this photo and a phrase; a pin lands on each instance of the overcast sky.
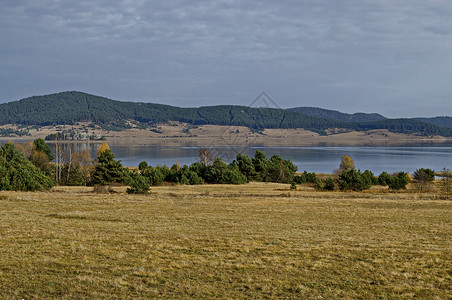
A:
(387, 56)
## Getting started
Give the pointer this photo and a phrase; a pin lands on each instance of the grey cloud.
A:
(350, 55)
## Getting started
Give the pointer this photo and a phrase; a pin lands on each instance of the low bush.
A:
(329, 184)
(424, 175)
(399, 181)
(353, 180)
(318, 184)
(384, 179)
(138, 184)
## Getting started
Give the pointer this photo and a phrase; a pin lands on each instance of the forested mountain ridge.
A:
(72, 107)
(438, 121)
(336, 115)
(364, 117)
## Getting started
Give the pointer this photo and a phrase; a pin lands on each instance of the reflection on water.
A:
(320, 159)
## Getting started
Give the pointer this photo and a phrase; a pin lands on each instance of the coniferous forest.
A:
(72, 107)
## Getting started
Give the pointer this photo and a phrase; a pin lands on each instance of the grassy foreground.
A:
(215, 241)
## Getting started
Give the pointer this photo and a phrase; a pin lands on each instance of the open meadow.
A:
(258, 240)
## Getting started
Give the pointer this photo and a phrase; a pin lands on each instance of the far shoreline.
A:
(182, 134)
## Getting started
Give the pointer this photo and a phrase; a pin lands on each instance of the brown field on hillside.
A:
(177, 133)
(258, 240)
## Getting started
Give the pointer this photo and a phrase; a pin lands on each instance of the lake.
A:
(319, 159)
(316, 158)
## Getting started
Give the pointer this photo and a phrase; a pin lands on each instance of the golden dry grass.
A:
(258, 240)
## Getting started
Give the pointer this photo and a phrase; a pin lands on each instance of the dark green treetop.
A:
(108, 170)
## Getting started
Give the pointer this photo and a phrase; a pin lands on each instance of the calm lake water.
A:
(319, 159)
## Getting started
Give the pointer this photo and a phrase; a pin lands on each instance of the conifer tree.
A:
(18, 173)
(108, 170)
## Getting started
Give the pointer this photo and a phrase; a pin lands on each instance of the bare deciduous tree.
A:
(205, 156)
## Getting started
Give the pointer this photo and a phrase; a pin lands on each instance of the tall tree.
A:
(246, 166)
(108, 170)
(260, 164)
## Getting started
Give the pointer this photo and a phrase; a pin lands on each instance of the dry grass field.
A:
(217, 241)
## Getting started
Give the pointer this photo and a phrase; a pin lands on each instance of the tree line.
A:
(350, 179)
(336, 115)
(34, 166)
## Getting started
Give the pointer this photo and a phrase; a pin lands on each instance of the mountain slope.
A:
(336, 115)
(409, 126)
(72, 107)
(438, 121)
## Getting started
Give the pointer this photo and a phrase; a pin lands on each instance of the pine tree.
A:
(108, 170)
(18, 173)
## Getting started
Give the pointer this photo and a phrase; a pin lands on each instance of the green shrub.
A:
(142, 166)
(352, 180)
(424, 175)
(369, 177)
(329, 184)
(299, 179)
(194, 179)
(310, 177)
(157, 175)
(232, 175)
(280, 170)
(198, 168)
(399, 181)
(318, 184)
(384, 179)
(138, 184)
(305, 177)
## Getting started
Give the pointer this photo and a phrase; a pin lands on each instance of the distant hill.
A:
(73, 107)
(409, 126)
(336, 115)
(372, 118)
(438, 121)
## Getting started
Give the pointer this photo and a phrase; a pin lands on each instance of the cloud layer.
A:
(391, 57)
